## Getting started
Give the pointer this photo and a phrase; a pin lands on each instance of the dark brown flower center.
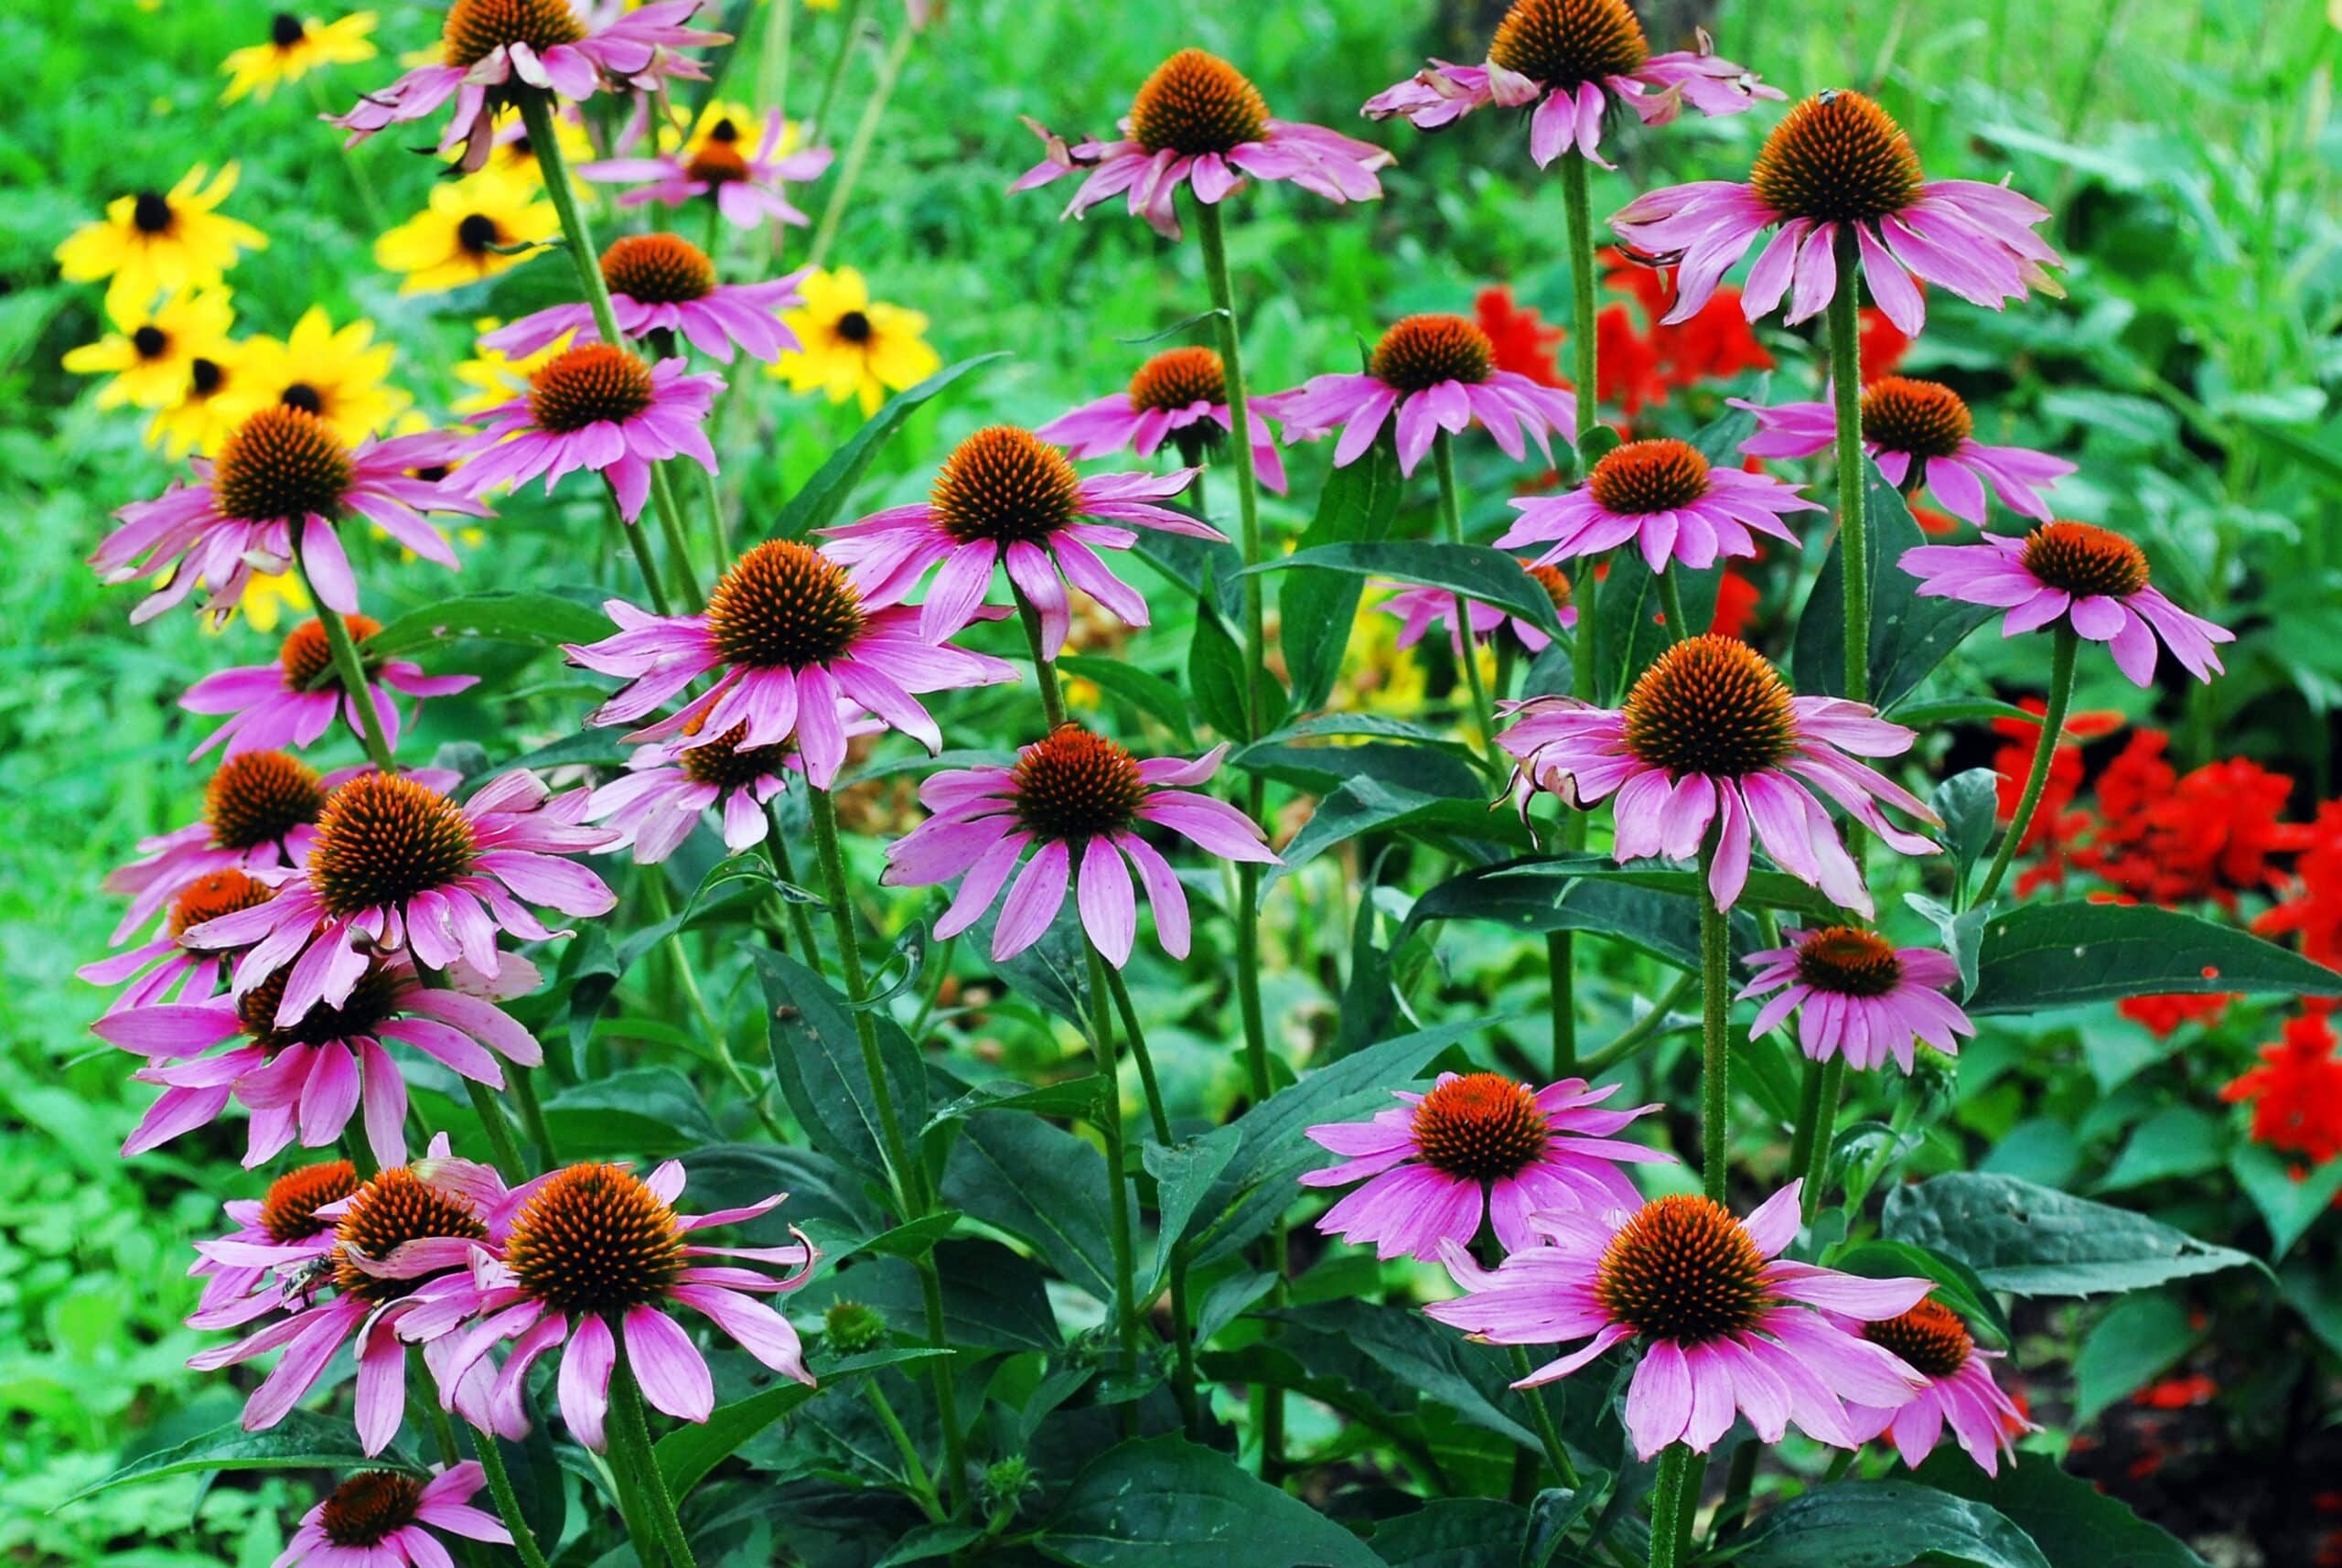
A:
(288, 1212)
(369, 1004)
(1196, 104)
(1644, 476)
(365, 1510)
(395, 1207)
(1711, 704)
(283, 462)
(722, 764)
(1564, 42)
(205, 376)
(2085, 560)
(214, 894)
(478, 28)
(1930, 1337)
(150, 342)
(1683, 1269)
(1421, 351)
(854, 327)
(1837, 157)
(1005, 485)
(586, 385)
(284, 30)
(1925, 419)
(784, 605)
(304, 397)
(476, 233)
(1846, 961)
(1073, 786)
(382, 840)
(1178, 379)
(658, 269)
(596, 1240)
(308, 655)
(150, 212)
(258, 798)
(1481, 1126)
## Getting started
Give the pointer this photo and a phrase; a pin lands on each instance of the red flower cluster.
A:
(2056, 824)
(2313, 903)
(2296, 1091)
(2170, 839)
(2163, 1014)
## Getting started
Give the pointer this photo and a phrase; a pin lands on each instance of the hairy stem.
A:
(508, 1501)
(2064, 643)
(1715, 1040)
(631, 1453)
(1110, 1127)
(1670, 1502)
(347, 668)
(1853, 527)
(1451, 511)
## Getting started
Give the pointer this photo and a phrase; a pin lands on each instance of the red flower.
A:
(2055, 826)
(1880, 344)
(1736, 599)
(1631, 375)
(2296, 1091)
(2315, 906)
(2163, 1014)
(1523, 341)
(2175, 839)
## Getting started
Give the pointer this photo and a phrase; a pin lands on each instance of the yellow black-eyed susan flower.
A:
(853, 345)
(467, 232)
(295, 47)
(150, 354)
(341, 375)
(155, 241)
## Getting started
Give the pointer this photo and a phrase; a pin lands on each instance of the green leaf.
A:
(533, 620)
(651, 1110)
(1886, 1524)
(1216, 672)
(1478, 572)
(1041, 1185)
(1272, 1152)
(1380, 725)
(930, 1541)
(1630, 630)
(1072, 1097)
(1166, 1503)
(1937, 712)
(1183, 1174)
(1322, 770)
(1962, 935)
(1366, 804)
(824, 495)
(2052, 955)
(911, 1239)
(2035, 1240)
(817, 1058)
(1419, 1355)
(2072, 1523)
(2288, 1208)
(1454, 1532)
(302, 1441)
(1957, 1285)
(1968, 803)
(1661, 924)
(686, 1455)
(2176, 1141)
(1317, 608)
(2139, 1337)
(1909, 636)
(1150, 694)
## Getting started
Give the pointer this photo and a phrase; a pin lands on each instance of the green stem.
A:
(866, 132)
(506, 1153)
(1825, 1133)
(1577, 204)
(631, 1453)
(670, 523)
(1809, 1111)
(1738, 1482)
(638, 541)
(1044, 667)
(1715, 1042)
(532, 1115)
(1183, 1348)
(536, 114)
(1451, 510)
(800, 918)
(1670, 599)
(2063, 646)
(1560, 957)
(947, 1395)
(772, 65)
(849, 31)
(660, 909)
(508, 1501)
(1668, 1502)
(922, 1490)
(1110, 1127)
(1631, 1039)
(347, 668)
(1548, 1433)
(901, 1172)
(1854, 528)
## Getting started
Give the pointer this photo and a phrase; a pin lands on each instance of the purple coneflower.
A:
(1420, 607)
(1913, 425)
(1181, 396)
(2091, 576)
(1573, 59)
(661, 283)
(1436, 373)
(1932, 1340)
(378, 1518)
(260, 811)
(1077, 802)
(1839, 168)
(494, 52)
(1726, 1328)
(597, 407)
(1668, 498)
(293, 699)
(156, 969)
(1197, 121)
(668, 786)
(396, 863)
(745, 178)
(1007, 497)
(304, 1077)
(1711, 735)
(277, 1235)
(1477, 1144)
(282, 480)
(788, 637)
(593, 1255)
(1855, 993)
